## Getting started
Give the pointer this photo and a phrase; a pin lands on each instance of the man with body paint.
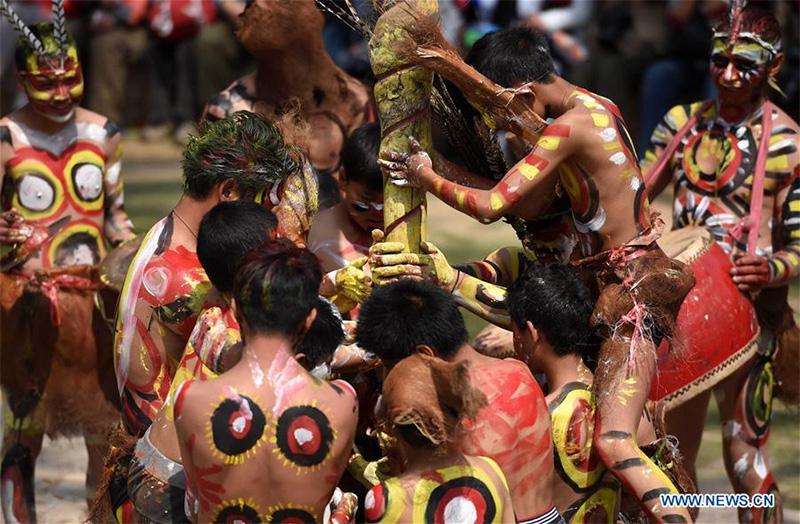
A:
(735, 167)
(408, 317)
(266, 440)
(586, 154)
(550, 310)
(341, 234)
(63, 200)
(166, 286)
(155, 480)
(425, 399)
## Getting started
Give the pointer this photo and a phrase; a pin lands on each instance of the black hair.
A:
(558, 305)
(324, 335)
(227, 232)
(243, 147)
(513, 55)
(276, 288)
(360, 157)
(45, 32)
(400, 316)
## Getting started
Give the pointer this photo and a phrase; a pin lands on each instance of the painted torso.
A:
(513, 430)
(713, 167)
(215, 333)
(265, 443)
(603, 176)
(165, 290)
(466, 492)
(73, 176)
(582, 491)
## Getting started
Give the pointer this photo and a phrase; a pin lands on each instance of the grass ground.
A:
(152, 178)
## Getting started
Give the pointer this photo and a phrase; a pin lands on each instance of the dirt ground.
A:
(152, 178)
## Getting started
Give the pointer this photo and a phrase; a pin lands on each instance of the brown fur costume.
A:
(70, 365)
(639, 293)
(432, 395)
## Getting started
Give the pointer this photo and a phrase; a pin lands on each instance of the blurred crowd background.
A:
(151, 65)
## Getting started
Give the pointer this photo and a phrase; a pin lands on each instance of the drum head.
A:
(114, 266)
(683, 243)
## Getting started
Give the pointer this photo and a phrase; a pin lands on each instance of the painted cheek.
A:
(76, 91)
(37, 95)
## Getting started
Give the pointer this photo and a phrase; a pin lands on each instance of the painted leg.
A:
(621, 389)
(745, 407)
(683, 422)
(22, 442)
(97, 449)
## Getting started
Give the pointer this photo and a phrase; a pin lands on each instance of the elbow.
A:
(488, 212)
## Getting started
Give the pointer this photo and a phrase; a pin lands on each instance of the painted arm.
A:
(483, 299)
(10, 220)
(117, 226)
(298, 205)
(500, 267)
(461, 175)
(489, 205)
(657, 182)
(785, 264)
(487, 300)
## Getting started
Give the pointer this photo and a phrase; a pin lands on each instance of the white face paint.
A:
(58, 119)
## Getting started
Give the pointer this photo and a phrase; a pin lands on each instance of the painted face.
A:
(739, 70)
(364, 205)
(54, 90)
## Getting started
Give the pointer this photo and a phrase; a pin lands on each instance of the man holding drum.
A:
(735, 167)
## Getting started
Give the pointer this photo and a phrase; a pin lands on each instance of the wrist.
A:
(457, 277)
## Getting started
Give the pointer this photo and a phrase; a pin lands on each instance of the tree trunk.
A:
(402, 96)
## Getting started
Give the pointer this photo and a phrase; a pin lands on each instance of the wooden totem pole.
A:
(402, 96)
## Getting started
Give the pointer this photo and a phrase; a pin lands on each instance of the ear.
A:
(776, 64)
(301, 358)
(422, 349)
(531, 331)
(228, 191)
(312, 315)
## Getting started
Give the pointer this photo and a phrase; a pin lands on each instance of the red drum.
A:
(717, 330)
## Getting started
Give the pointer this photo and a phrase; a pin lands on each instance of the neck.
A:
(555, 96)
(191, 212)
(423, 459)
(282, 75)
(563, 370)
(465, 352)
(265, 348)
(733, 109)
